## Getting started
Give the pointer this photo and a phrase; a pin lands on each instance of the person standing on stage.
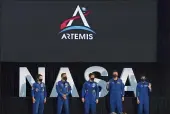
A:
(63, 89)
(90, 95)
(39, 95)
(142, 92)
(115, 87)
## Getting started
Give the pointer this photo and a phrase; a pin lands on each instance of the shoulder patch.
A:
(42, 85)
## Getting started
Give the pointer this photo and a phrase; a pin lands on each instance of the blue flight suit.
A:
(142, 92)
(116, 90)
(63, 87)
(90, 93)
(39, 93)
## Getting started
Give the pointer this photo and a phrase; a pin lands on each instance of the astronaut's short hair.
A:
(115, 71)
(143, 76)
(91, 74)
(62, 74)
(38, 75)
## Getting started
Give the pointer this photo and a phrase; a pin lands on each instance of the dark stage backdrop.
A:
(13, 103)
(158, 73)
(125, 31)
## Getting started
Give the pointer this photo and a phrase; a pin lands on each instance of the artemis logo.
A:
(82, 32)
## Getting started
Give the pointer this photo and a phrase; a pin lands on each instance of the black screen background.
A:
(125, 32)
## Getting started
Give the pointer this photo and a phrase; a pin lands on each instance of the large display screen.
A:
(110, 31)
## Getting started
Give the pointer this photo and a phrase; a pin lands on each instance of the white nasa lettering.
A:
(24, 75)
(128, 74)
(100, 82)
(69, 79)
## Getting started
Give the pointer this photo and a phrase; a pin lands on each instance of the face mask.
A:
(143, 79)
(40, 80)
(114, 75)
(92, 79)
(65, 78)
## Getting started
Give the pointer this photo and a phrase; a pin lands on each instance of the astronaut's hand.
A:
(33, 100)
(150, 86)
(64, 97)
(138, 102)
(107, 86)
(97, 101)
(83, 100)
(45, 100)
(123, 98)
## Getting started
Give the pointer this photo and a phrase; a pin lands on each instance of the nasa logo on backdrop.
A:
(77, 32)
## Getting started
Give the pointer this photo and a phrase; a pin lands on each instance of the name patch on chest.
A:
(62, 85)
(93, 85)
(66, 85)
(42, 85)
(144, 86)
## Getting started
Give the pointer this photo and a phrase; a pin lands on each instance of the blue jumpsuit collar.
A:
(116, 80)
(90, 81)
(143, 82)
(39, 83)
(63, 81)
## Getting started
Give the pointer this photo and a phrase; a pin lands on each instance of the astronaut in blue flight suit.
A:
(142, 92)
(63, 89)
(90, 95)
(115, 87)
(39, 95)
